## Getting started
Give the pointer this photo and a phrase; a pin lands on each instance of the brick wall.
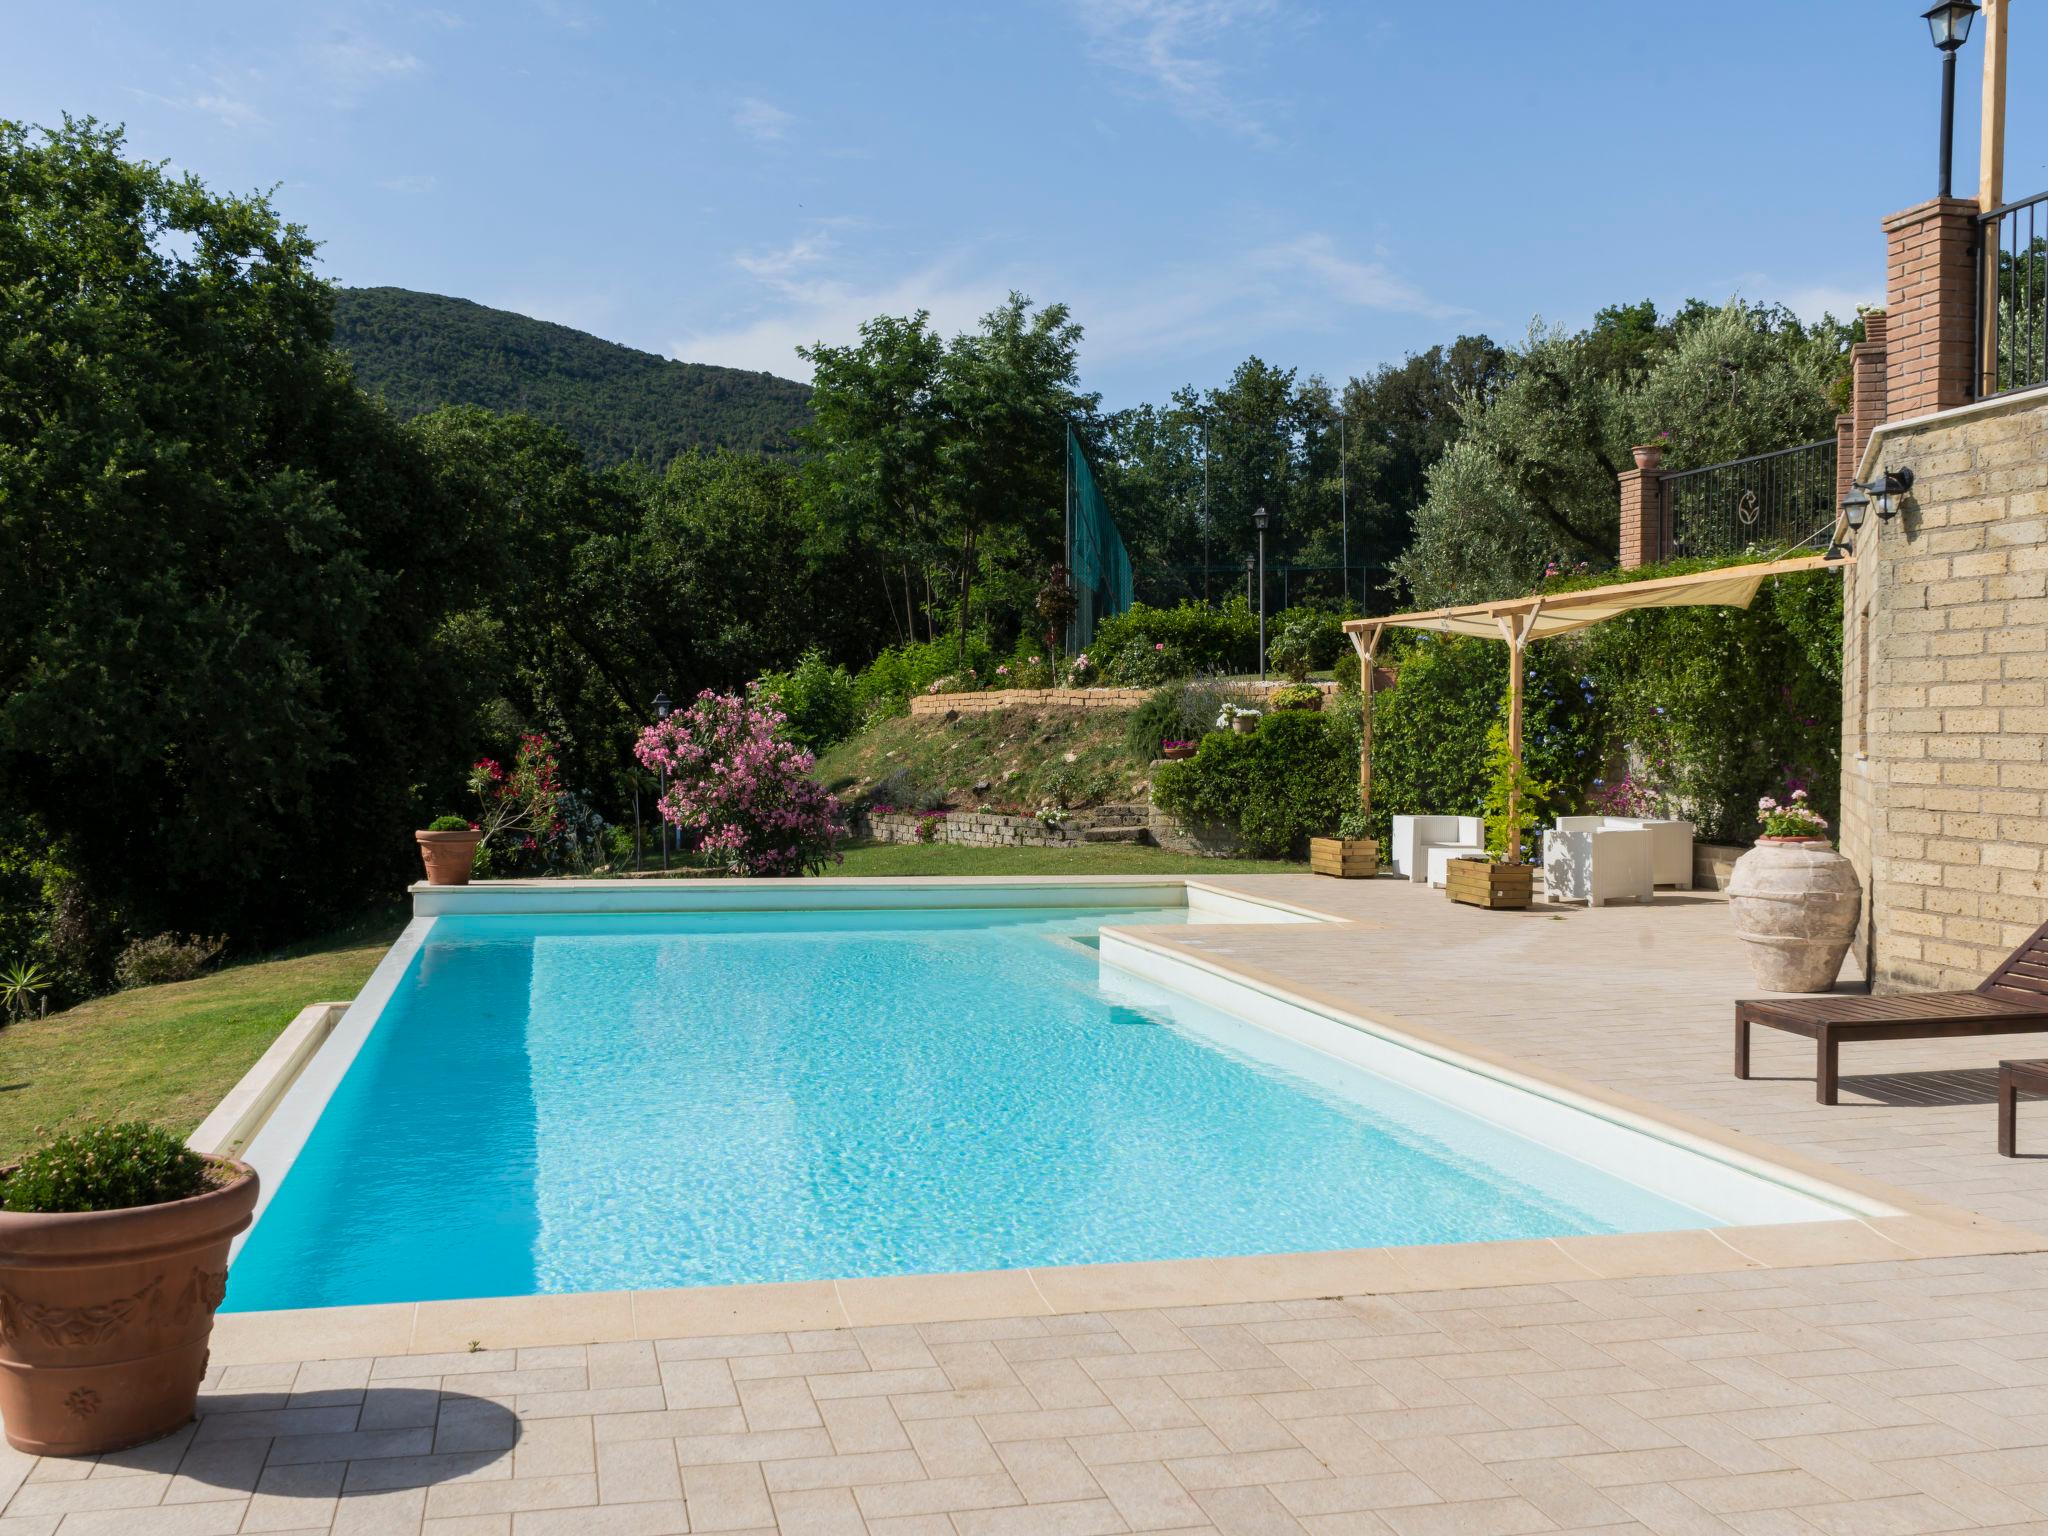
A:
(1642, 518)
(1931, 305)
(1945, 698)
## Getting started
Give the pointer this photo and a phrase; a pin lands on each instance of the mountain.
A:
(422, 350)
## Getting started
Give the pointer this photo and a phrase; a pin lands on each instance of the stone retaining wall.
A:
(975, 829)
(925, 704)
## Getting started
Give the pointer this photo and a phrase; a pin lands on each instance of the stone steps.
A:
(1114, 835)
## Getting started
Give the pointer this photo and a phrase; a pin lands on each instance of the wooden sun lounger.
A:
(2012, 1000)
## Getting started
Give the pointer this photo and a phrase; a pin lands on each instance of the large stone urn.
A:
(1795, 902)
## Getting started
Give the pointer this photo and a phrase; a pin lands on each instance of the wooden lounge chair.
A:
(2012, 1000)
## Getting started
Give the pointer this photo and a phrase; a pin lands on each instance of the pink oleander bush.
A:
(743, 787)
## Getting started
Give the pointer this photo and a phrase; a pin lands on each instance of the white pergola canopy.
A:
(1522, 619)
(1559, 613)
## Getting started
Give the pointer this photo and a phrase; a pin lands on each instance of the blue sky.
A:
(1327, 186)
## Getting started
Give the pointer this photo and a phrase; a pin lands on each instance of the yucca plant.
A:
(22, 988)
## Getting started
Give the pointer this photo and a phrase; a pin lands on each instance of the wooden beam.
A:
(1991, 127)
(1990, 188)
(1367, 644)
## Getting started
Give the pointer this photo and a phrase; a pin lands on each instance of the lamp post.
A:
(1259, 521)
(1949, 25)
(1344, 510)
(661, 708)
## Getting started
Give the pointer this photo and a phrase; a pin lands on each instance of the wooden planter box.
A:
(1482, 883)
(1348, 858)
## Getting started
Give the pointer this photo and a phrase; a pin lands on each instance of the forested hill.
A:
(422, 350)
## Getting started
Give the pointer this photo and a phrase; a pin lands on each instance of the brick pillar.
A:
(1931, 307)
(1845, 459)
(1868, 405)
(1642, 518)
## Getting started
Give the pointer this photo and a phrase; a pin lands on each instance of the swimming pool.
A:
(613, 1101)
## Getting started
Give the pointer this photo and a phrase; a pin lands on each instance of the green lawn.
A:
(1092, 859)
(169, 1053)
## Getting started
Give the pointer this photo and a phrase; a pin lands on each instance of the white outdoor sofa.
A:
(1416, 836)
(1670, 843)
(1597, 865)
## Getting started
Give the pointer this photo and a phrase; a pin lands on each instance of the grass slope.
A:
(1089, 859)
(1020, 755)
(169, 1053)
(418, 351)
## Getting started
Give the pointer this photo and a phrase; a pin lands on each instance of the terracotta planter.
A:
(449, 856)
(1648, 455)
(1795, 902)
(104, 1317)
(1177, 754)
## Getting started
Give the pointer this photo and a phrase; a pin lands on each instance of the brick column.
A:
(1868, 405)
(1931, 306)
(1642, 518)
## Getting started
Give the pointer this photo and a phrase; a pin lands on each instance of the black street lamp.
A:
(1259, 521)
(1949, 25)
(662, 706)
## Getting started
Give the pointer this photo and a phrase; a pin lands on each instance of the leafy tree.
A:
(1532, 476)
(220, 576)
(875, 442)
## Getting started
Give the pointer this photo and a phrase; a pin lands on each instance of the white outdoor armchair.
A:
(1415, 836)
(1597, 866)
(1670, 843)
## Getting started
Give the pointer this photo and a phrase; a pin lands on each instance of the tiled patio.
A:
(1900, 1396)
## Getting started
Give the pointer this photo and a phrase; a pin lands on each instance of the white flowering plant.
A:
(1230, 714)
(1792, 817)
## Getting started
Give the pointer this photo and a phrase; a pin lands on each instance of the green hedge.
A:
(1224, 639)
(1290, 780)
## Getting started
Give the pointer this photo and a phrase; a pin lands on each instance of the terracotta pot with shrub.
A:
(448, 849)
(113, 1256)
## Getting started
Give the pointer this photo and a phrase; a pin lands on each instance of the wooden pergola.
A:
(1519, 620)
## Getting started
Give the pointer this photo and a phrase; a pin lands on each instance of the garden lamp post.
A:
(1949, 24)
(1259, 520)
(661, 708)
(1249, 567)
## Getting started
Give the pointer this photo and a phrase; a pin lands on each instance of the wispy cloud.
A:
(1176, 50)
(1304, 285)
(354, 64)
(413, 184)
(217, 102)
(780, 267)
(763, 121)
(807, 306)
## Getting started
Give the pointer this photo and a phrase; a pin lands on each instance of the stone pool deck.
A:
(1512, 1388)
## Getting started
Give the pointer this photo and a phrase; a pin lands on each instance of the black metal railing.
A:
(1778, 500)
(2012, 297)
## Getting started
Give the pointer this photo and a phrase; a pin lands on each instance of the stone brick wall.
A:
(1060, 698)
(1642, 518)
(1945, 697)
(985, 829)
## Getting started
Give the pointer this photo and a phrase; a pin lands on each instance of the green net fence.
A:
(1097, 562)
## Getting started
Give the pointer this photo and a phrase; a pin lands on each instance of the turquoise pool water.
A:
(608, 1103)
